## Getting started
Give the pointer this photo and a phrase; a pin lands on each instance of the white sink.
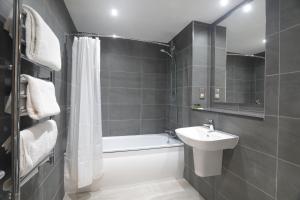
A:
(207, 148)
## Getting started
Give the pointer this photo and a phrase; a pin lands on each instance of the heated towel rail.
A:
(15, 67)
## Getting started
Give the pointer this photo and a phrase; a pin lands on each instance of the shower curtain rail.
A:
(84, 34)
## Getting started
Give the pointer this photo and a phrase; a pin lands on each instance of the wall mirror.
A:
(238, 60)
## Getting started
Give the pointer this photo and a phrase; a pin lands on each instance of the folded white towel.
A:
(41, 100)
(42, 45)
(35, 144)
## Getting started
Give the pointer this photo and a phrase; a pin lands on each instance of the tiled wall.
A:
(134, 86)
(48, 183)
(265, 165)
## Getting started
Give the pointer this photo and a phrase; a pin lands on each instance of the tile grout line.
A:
(278, 100)
(251, 184)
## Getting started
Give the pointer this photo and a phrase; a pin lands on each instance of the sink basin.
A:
(208, 148)
(202, 138)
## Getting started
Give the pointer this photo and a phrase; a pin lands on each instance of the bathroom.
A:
(140, 100)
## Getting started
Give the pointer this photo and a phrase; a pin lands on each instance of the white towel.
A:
(42, 45)
(35, 144)
(41, 100)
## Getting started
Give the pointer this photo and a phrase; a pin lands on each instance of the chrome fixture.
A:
(164, 51)
(210, 125)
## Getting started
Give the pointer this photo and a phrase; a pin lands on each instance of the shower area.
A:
(139, 113)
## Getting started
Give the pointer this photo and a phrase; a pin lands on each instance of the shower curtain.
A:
(83, 159)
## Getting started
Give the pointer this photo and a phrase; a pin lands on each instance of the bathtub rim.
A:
(165, 146)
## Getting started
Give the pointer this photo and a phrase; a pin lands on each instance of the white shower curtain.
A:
(83, 159)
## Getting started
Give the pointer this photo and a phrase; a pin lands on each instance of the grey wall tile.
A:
(272, 16)
(125, 80)
(289, 48)
(154, 65)
(153, 112)
(288, 181)
(232, 187)
(272, 54)
(260, 135)
(124, 112)
(257, 168)
(120, 63)
(289, 140)
(201, 34)
(124, 96)
(290, 95)
(150, 126)
(154, 81)
(155, 97)
(289, 13)
(272, 92)
(124, 127)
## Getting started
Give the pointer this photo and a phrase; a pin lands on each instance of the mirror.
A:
(239, 59)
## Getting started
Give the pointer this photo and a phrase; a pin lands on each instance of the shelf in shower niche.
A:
(5, 64)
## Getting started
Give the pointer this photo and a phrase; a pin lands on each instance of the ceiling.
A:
(149, 20)
(246, 31)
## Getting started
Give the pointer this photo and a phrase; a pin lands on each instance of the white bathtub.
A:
(141, 158)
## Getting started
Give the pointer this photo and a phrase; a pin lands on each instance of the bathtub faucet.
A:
(171, 133)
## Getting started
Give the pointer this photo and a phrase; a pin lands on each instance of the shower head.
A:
(164, 51)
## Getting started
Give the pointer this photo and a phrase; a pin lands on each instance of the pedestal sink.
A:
(208, 148)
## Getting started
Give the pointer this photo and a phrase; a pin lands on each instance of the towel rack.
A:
(19, 44)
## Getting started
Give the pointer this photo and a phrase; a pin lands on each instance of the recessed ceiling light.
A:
(264, 41)
(224, 3)
(114, 12)
(114, 36)
(247, 8)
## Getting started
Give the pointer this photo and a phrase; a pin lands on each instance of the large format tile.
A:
(290, 95)
(257, 168)
(289, 13)
(271, 95)
(124, 112)
(124, 127)
(124, 96)
(260, 135)
(288, 181)
(125, 80)
(150, 126)
(119, 63)
(289, 139)
(153, 112)
(154, 65)
(155, 97)
(272, 16)
(272, 54)
(289, 49)
(232, 187)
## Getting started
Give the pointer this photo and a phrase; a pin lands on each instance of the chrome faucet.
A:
(210, 125)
